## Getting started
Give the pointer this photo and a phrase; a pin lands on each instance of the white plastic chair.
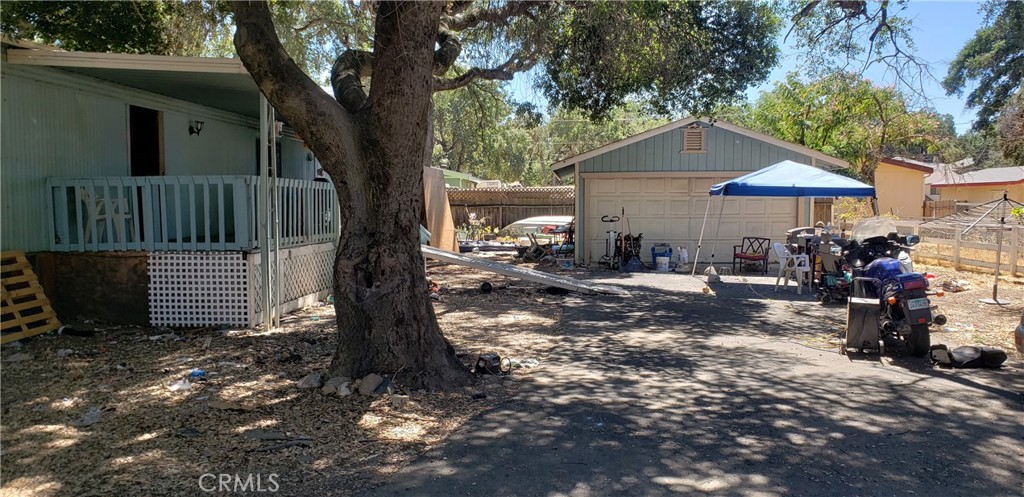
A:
(99, 209)
(791, 266)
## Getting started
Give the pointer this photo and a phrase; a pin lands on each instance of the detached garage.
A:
(661, 179)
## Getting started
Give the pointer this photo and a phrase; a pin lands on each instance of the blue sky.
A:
(939, 30)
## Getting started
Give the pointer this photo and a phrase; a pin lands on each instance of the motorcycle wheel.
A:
(919, 340)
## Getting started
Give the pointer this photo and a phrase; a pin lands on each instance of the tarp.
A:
(792, 179)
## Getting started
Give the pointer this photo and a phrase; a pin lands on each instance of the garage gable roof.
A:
(560, 166)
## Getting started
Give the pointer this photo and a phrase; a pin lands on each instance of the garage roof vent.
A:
(694, 140)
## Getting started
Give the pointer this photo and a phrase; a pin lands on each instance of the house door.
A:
(144, 131)
(146, 158)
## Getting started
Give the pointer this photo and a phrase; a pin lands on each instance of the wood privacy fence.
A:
(939, 208)
(504, 206)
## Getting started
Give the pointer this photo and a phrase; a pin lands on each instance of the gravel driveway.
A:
(673, 391)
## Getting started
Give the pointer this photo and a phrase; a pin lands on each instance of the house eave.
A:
(124, 61)
(814, 154)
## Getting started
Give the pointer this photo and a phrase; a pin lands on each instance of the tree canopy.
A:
(845, 116)
(993, 60)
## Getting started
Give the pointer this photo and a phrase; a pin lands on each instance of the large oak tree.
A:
(690, 56)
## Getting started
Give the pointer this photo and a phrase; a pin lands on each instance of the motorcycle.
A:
(889, 300)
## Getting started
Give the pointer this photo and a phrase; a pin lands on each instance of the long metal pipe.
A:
(264, 228)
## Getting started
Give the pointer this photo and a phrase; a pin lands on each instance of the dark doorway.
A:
(144, 129)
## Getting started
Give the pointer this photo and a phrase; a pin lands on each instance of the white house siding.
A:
(60, 124)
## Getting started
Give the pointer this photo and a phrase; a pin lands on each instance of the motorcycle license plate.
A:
(915, 304)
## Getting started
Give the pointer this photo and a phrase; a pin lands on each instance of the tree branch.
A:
(347, 75)
(504, 72)
(500, 16)
(316, 116)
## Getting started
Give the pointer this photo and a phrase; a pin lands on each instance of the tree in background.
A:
(845, 116)
(993, 60)
(312, 32)
(1010, 127)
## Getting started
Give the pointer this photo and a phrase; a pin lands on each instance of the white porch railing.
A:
(211, 213)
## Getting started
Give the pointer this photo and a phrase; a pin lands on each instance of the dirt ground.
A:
(95, 416)
(970, 321)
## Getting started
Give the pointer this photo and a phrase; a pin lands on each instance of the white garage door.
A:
(670, 210)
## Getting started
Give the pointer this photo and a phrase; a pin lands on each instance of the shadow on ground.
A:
(671, 392)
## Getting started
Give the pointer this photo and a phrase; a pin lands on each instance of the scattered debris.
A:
(62, 353)
(385, 387)
(954, 286)
(524, 363)
(166, 336)
(91, 417)
(179, 385)
(486, 287)
(285, 445)
(18, 357)
(266, 435)
(187, 432)
(480, 395)
(74, 332)
(207, 342)
(344, 390)
(197, 373)
(312, 380)
(228, 406)
(399, 401)
(369, 383)
(332, 385)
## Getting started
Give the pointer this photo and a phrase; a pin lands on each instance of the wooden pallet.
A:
(24, 309)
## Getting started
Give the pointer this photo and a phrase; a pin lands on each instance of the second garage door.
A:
(670, 210)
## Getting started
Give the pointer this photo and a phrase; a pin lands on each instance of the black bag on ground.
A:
(968, 356)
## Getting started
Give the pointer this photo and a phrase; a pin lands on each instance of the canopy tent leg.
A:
(701, 239)
(718, 227)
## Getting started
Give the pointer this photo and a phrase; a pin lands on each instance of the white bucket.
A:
(661, 263)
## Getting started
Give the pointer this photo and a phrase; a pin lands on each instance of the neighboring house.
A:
(133, 182)
(455, 179)
(900, 186)
(661, 178)
(979, 186)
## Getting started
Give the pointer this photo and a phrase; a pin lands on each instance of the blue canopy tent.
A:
(785, 179)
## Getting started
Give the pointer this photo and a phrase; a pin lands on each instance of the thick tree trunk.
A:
(386, 323)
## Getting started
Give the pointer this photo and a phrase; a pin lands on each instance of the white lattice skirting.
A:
(211, 288)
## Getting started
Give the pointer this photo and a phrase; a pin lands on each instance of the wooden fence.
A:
(939, 208)
(504, 206)
(978, 248)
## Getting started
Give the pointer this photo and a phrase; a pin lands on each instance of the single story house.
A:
(660, 180)
(900, 186)
(143, 188)
(979, 186)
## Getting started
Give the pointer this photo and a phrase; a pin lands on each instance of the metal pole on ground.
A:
(999, 255)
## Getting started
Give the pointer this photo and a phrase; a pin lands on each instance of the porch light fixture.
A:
(195, 127)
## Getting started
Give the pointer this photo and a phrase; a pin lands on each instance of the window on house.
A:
(694, 140)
